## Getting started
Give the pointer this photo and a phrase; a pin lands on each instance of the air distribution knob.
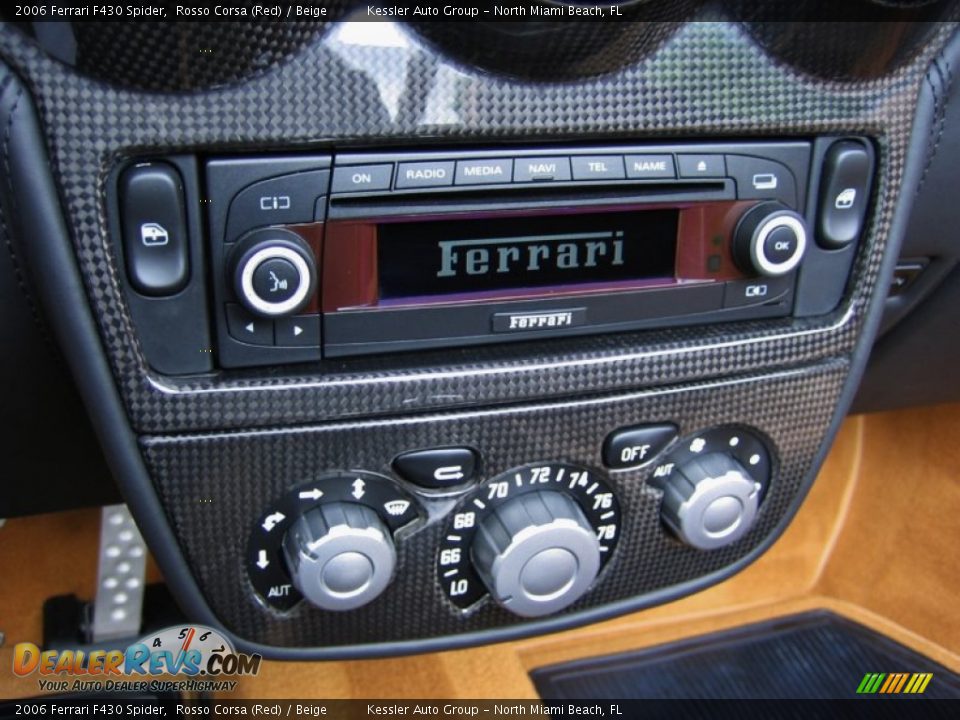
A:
(710, 501)
(340, 555)
(770, 240)
(274, 272)
(536, 553)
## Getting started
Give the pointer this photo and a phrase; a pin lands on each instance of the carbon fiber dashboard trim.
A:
(218, 447)
(345, 87)
(215, 486)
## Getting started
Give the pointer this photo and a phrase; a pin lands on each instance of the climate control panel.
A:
(534, 539)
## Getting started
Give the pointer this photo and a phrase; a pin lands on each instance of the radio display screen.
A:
(516, 256)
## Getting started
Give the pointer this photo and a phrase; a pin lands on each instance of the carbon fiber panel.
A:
(353, 86)
(710, 79)
(215, 486)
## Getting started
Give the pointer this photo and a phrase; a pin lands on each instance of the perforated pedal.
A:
(118, 607)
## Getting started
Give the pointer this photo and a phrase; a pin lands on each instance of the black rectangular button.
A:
(298, 331)
(598, 167)
(284, 200)
(247, 327)
(650, 167)
(843, 197)
(636, 446)
(361, 178)
(756, 291)
(437, 468)
(484, 172)
(707, 166)
(425, 174)
(541, 169)
(155, 239)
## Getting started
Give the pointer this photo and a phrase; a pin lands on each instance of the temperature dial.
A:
(534, 539)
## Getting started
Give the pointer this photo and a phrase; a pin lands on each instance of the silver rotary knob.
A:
(340, 555)
(536, 553)
(710, 501)
(770, 240)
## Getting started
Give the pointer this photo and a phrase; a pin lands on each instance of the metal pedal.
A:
(118, 606)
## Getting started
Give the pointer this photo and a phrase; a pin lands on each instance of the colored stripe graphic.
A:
(894, 683)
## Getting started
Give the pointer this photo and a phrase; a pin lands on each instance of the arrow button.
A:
(299, 331)
(248, 328)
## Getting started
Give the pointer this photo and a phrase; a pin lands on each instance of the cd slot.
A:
(452, 200)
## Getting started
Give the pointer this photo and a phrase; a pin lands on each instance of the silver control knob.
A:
(274, 272)
(340, 555)
(710, 501)
(537, 553)
(770, 240)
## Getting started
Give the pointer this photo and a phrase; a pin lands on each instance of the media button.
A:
(541, 169)
(598, 167)
(484, 172)
(650, 167)
(709, 166)
(361, 178)
(425, 174)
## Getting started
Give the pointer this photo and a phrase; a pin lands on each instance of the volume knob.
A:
(537, 553)
(340, 555)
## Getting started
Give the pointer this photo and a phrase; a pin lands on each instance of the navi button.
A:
(541, 169)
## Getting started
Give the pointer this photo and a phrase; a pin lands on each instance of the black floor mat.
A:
(811, 656)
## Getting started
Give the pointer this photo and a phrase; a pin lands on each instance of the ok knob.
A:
(770, 240)
(274, 272)
(536, 553)
(340, 556)
(710, 501)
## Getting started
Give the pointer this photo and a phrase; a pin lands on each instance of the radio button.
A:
(541, 169)
(598, 167)
(361, 178)
(484, 172)
(247, 327)
(650, 167)
(438, 468)
(702, 166)
(425, 174)
(298, 331)
(284, 200)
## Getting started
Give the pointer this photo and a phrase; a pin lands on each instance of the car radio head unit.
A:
(361, 253)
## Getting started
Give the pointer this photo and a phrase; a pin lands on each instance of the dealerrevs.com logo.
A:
(190, 658)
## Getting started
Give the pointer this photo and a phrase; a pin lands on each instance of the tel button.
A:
(636, 446)
(437, 468)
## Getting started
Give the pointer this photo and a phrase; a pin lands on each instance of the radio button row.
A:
(541, 169)
(425, 174)
(484, 172)
(361, 178)
(702, 166)
(598, 167)
(650, 167)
